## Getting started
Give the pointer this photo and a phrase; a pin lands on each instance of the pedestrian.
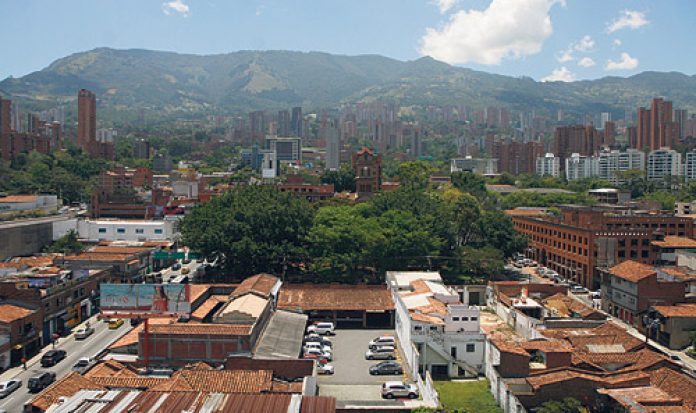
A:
(24, 363)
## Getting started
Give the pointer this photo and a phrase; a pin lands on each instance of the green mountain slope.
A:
(245, 80)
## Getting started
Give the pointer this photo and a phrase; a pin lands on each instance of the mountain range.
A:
(246, 80)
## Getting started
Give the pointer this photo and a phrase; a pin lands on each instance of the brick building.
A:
(517, 157)
(65, 300)
(582, 139)
(20, 327)
(629, 289)
(368, 172)
(583, 238)
(40, 136)
(87, 127)
(116, 196)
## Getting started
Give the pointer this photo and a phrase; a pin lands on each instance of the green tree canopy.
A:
(67, 244)
(250, 229)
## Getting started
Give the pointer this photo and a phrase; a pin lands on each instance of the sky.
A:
(548, 40)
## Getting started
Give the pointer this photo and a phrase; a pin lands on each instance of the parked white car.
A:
(324, 368)
(84, 364)
(382, 341)
(392, 389)
(322, 328)
(318, 346)
(381, 353)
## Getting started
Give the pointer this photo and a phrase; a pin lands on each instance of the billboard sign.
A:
(145, 299)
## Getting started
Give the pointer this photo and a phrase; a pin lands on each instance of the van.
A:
(41, 381)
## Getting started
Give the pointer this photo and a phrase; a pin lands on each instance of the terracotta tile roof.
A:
(568, 307)
(505, 345)
(18, 199)
(128, 382)
(679, 310)
(10, 313)
(110, 368)
(197, 290)
(36, 261)
(118, 249)
(64, 387)
(639, 360)
(675, 242)
(435, 306)
(681, 273)
(219, 381)
(338, 297)
(259, 284)
(649, 395)
(200, 365)
(559, 376)
(208, 306)
(251, 403)
(676, 384)
(92, 256)
(423, 318)
(200, 328)
(279, 386)
(131, 337)
(632, 271)
(547, 346)
(608, 334)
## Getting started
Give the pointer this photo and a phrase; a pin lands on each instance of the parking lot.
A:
(352, 380)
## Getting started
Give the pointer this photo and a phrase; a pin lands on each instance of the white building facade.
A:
(662, 163)
(548, 165)
(580, 167)
(611, 162)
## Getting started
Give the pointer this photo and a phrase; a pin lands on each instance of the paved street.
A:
(168, 274)
(99, 340)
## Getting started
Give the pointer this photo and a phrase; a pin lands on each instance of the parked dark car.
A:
(386, 367)
(52, 357)
(41, 381)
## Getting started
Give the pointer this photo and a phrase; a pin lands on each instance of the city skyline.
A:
(544, 39)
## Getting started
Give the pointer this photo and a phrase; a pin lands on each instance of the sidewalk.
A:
(14, 371)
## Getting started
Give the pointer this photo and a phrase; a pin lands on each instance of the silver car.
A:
(393, 389)
(7, 387)
(381, 353)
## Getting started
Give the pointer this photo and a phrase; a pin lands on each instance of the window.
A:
(474, 318)
(121, 230)
(418, 328)
(102, 230)
(453, 352)
(433, 328)
(455, 318)
(470, 348)
(139, 231)
(158, 231)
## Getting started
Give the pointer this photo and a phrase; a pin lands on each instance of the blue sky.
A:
(544, 39)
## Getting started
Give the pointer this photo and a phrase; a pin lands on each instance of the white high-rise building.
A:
(611, 162)
(690, 166)
(548, 165)
(662, 163)
(579, 167)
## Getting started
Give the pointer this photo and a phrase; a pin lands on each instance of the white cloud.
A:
(586, 62)
(565, 56)
(560, 75)
(626, 63)
(444, 5)
(617, 42)
(585, 44)
(506, 29)
(631, 19)
(175, 5)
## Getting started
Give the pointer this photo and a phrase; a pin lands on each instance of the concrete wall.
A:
(25, 237)
(116, 230)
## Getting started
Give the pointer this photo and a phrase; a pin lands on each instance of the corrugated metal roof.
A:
(318, 404)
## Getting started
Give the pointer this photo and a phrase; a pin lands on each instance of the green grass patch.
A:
(467, 397)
